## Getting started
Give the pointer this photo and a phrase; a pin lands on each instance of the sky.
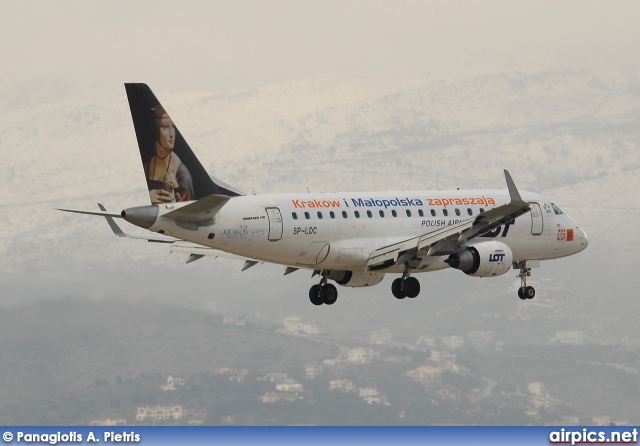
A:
(243, 44)
(55, 51)
(64, 52)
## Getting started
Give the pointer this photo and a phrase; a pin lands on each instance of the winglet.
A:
(513, 190)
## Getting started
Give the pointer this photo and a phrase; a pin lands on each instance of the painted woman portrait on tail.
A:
(168, 179)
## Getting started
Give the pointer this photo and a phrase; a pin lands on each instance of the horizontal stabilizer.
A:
(99, 213)
(199, 211)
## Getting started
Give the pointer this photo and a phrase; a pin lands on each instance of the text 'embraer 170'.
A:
(352, 239)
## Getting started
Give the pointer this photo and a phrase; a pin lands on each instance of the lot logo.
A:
(496, 258)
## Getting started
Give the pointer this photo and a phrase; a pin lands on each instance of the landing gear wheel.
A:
(396, 289)
(524, 292)
(314, 295)
(529, 292)
(411, 287)
(329, 294)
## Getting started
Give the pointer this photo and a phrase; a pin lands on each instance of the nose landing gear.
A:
(524, 292)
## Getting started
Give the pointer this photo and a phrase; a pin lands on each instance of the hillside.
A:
(71, 362)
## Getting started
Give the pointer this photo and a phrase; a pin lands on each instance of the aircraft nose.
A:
(582, 238)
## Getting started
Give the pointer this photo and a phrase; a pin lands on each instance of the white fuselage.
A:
(338, 231)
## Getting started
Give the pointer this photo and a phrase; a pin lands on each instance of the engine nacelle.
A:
(356, 279)
(484, 259)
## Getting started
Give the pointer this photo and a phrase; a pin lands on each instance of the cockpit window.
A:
(556, 209)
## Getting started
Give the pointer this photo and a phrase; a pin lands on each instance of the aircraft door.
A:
(275, 224)
(537, 222)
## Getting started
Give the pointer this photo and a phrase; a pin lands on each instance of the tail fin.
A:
(171, 168)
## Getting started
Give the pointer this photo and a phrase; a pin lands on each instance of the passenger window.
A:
(381, 213)
(445, 212)
(408, 213)
(332, 214)
(306, 215)
(433, 212)
(369, 214)
(481, 210)
(357, 214)
(420, 213)
(458, 212)
(320, 215)
(469, 211)
(394, 213)
(344, 214)
(294, 215)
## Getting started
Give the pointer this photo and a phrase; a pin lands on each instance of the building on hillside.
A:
(310, 328)
(343, 385)
(425, 374)
(172, 383)
(361, 355)
(535, 388)
(274, 377)
(274, 397)
(292, 324)
(295, 325)
(234, 375)
(159, 413)
(371, 396)
(313, 370)
(289, 385)
(442, 356)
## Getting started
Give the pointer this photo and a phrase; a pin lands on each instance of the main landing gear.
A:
(525, 292)
(405, 286)
(323, 293)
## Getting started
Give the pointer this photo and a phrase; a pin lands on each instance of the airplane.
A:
(350, 238)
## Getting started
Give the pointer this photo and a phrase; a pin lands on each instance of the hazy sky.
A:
(229, 44)
(48, 48)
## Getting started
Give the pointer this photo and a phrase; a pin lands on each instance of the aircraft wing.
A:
(398, 253)
(447, 240)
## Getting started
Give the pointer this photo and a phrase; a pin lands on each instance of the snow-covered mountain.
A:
(573, 135)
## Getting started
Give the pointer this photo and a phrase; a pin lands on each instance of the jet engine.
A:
(483, 259)
(356, 279)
